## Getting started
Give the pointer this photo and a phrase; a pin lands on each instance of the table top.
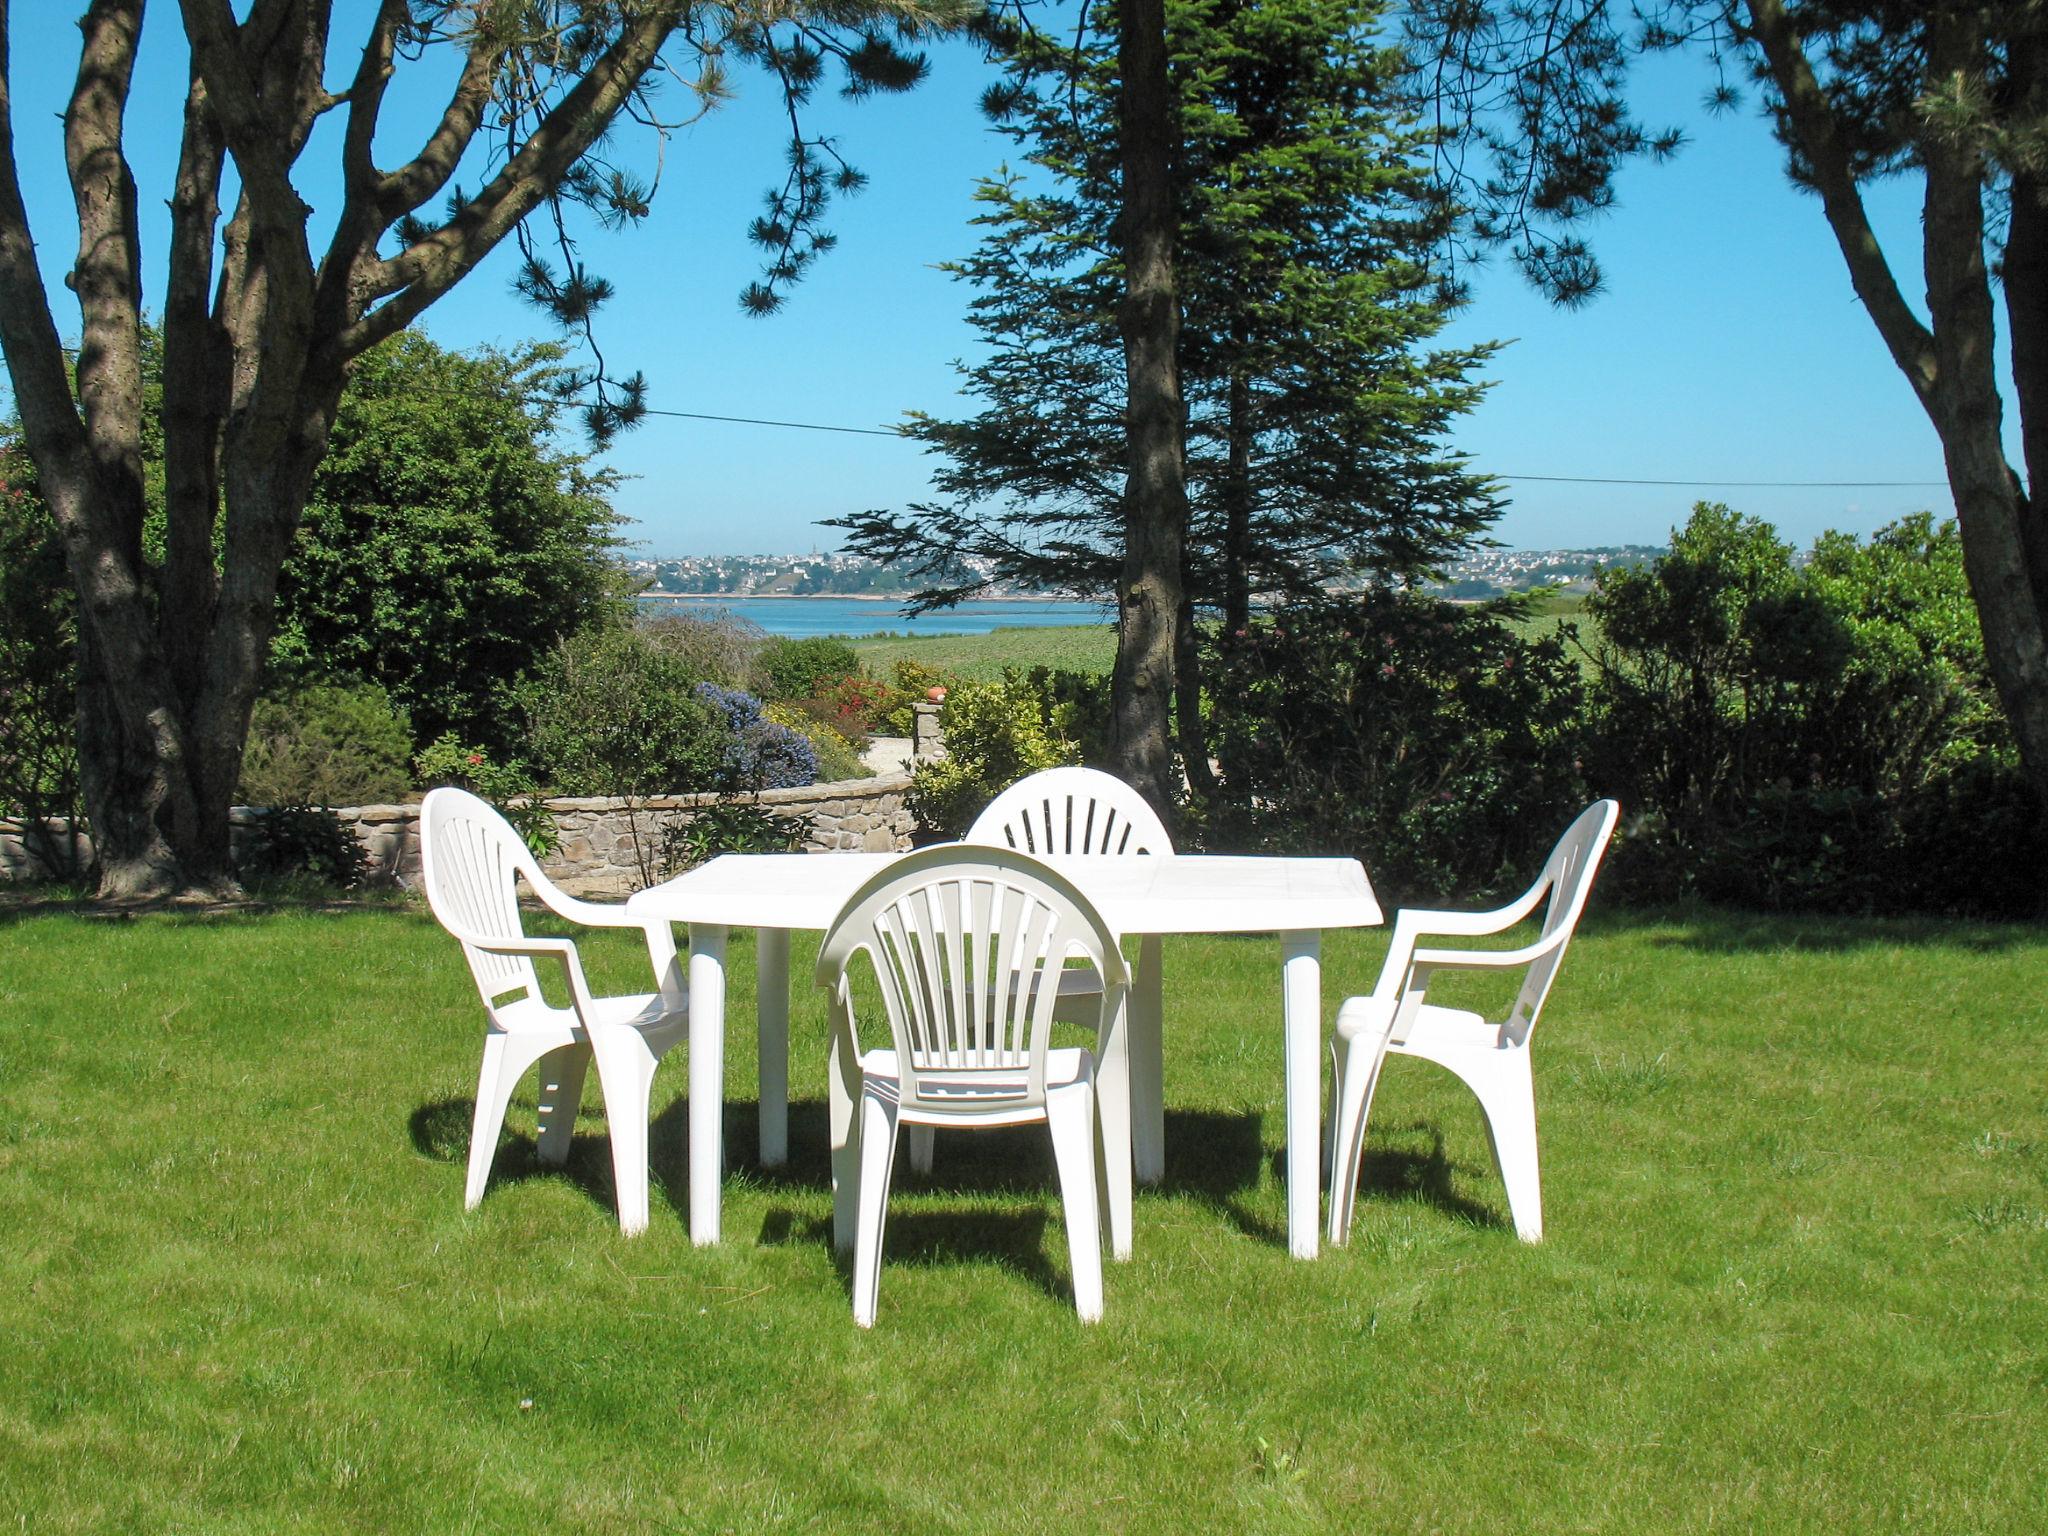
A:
(1136, 894)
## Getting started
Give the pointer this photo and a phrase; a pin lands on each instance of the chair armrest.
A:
(1485, 959)
(591, 914)
(1411, 925)
(563, 951)
(659, 932)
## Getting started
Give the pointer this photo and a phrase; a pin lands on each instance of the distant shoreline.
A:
(844, 597)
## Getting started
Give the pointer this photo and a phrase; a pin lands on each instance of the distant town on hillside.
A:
(1488, 573)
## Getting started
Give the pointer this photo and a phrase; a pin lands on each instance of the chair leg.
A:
(1358, 1073)
(561, 1094)
(1507, 1098)
(494, 1084)
(843, 1095)
(920, 1138)
(877, 1159)
(1069, 1114)
(625, 1073)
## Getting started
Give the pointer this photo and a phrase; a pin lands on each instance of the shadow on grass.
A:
(1732, 931)
(1213, 1157)
(1424, 1175)
(440, 1131)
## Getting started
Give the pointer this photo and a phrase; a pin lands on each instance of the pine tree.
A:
(1315, 408)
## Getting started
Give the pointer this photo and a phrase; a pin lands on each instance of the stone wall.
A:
(596, 854)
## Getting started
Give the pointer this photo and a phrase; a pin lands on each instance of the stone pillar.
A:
(927, 742)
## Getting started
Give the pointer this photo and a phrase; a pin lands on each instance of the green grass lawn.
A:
(982, 658)
(1090, 648)
(1797, 1206)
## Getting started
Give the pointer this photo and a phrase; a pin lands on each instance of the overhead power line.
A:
(1733, 485)
(1725, 485)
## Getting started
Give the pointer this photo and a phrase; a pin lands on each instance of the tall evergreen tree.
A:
(1305, 217)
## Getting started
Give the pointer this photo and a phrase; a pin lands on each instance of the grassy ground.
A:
(982, 658)
(1797, 1181)
(1086, 648)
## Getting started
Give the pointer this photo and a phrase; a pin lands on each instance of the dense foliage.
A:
(1315, 403)
(794, 668)
(38, 668)
(327, 744)
(447, 546)
(1809, 734)
(995, 733)
(611, 714)
(1428, 739)
(758, 753)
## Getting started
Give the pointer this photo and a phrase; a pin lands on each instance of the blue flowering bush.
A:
(758, 753)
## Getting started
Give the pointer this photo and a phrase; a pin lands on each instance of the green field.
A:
(982, 658)
(1086, 648)
(1797, 1208)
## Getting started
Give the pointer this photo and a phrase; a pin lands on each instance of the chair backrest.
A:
(1071, 810)
(967, 944)
(1569, 874)
(470, 861)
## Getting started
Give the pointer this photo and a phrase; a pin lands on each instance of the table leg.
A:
(771, 1024)
(1148, 1065)
(1301, 994)
(707, 1078)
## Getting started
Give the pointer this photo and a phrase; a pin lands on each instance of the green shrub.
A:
(293, 840)
(38, 671)
(508, 786)
(1816, 735)
(1427, 739)
(793, 668)
(326, 744)
(839, 757)
(996, 734)
(730, 826)
(717, 647)
(893, 715)
(612, 714)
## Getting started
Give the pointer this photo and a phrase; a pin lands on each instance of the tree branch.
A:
(107, 277)
(422, 177)
(1813, 127)
(425, 270)
(273, 202)
(194, 397)
(28, 332)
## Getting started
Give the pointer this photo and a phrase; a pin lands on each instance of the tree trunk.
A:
(1149, 598)
(2026, 307)
(1237, 504)
(1187, 708)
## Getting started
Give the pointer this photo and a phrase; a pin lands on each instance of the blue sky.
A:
(1727, 347)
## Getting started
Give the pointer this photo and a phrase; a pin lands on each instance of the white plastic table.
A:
(1143, 897)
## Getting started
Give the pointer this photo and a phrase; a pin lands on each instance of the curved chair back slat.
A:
(1569, 874)
(470, 861)
(1071, 811)
(967, 944)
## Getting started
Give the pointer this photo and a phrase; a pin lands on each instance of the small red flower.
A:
(475, 758)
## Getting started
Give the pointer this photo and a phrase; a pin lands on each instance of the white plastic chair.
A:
(966, 944)
(1492, 1059)
(1055, 813)
(1068, 811)
(470, 862)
